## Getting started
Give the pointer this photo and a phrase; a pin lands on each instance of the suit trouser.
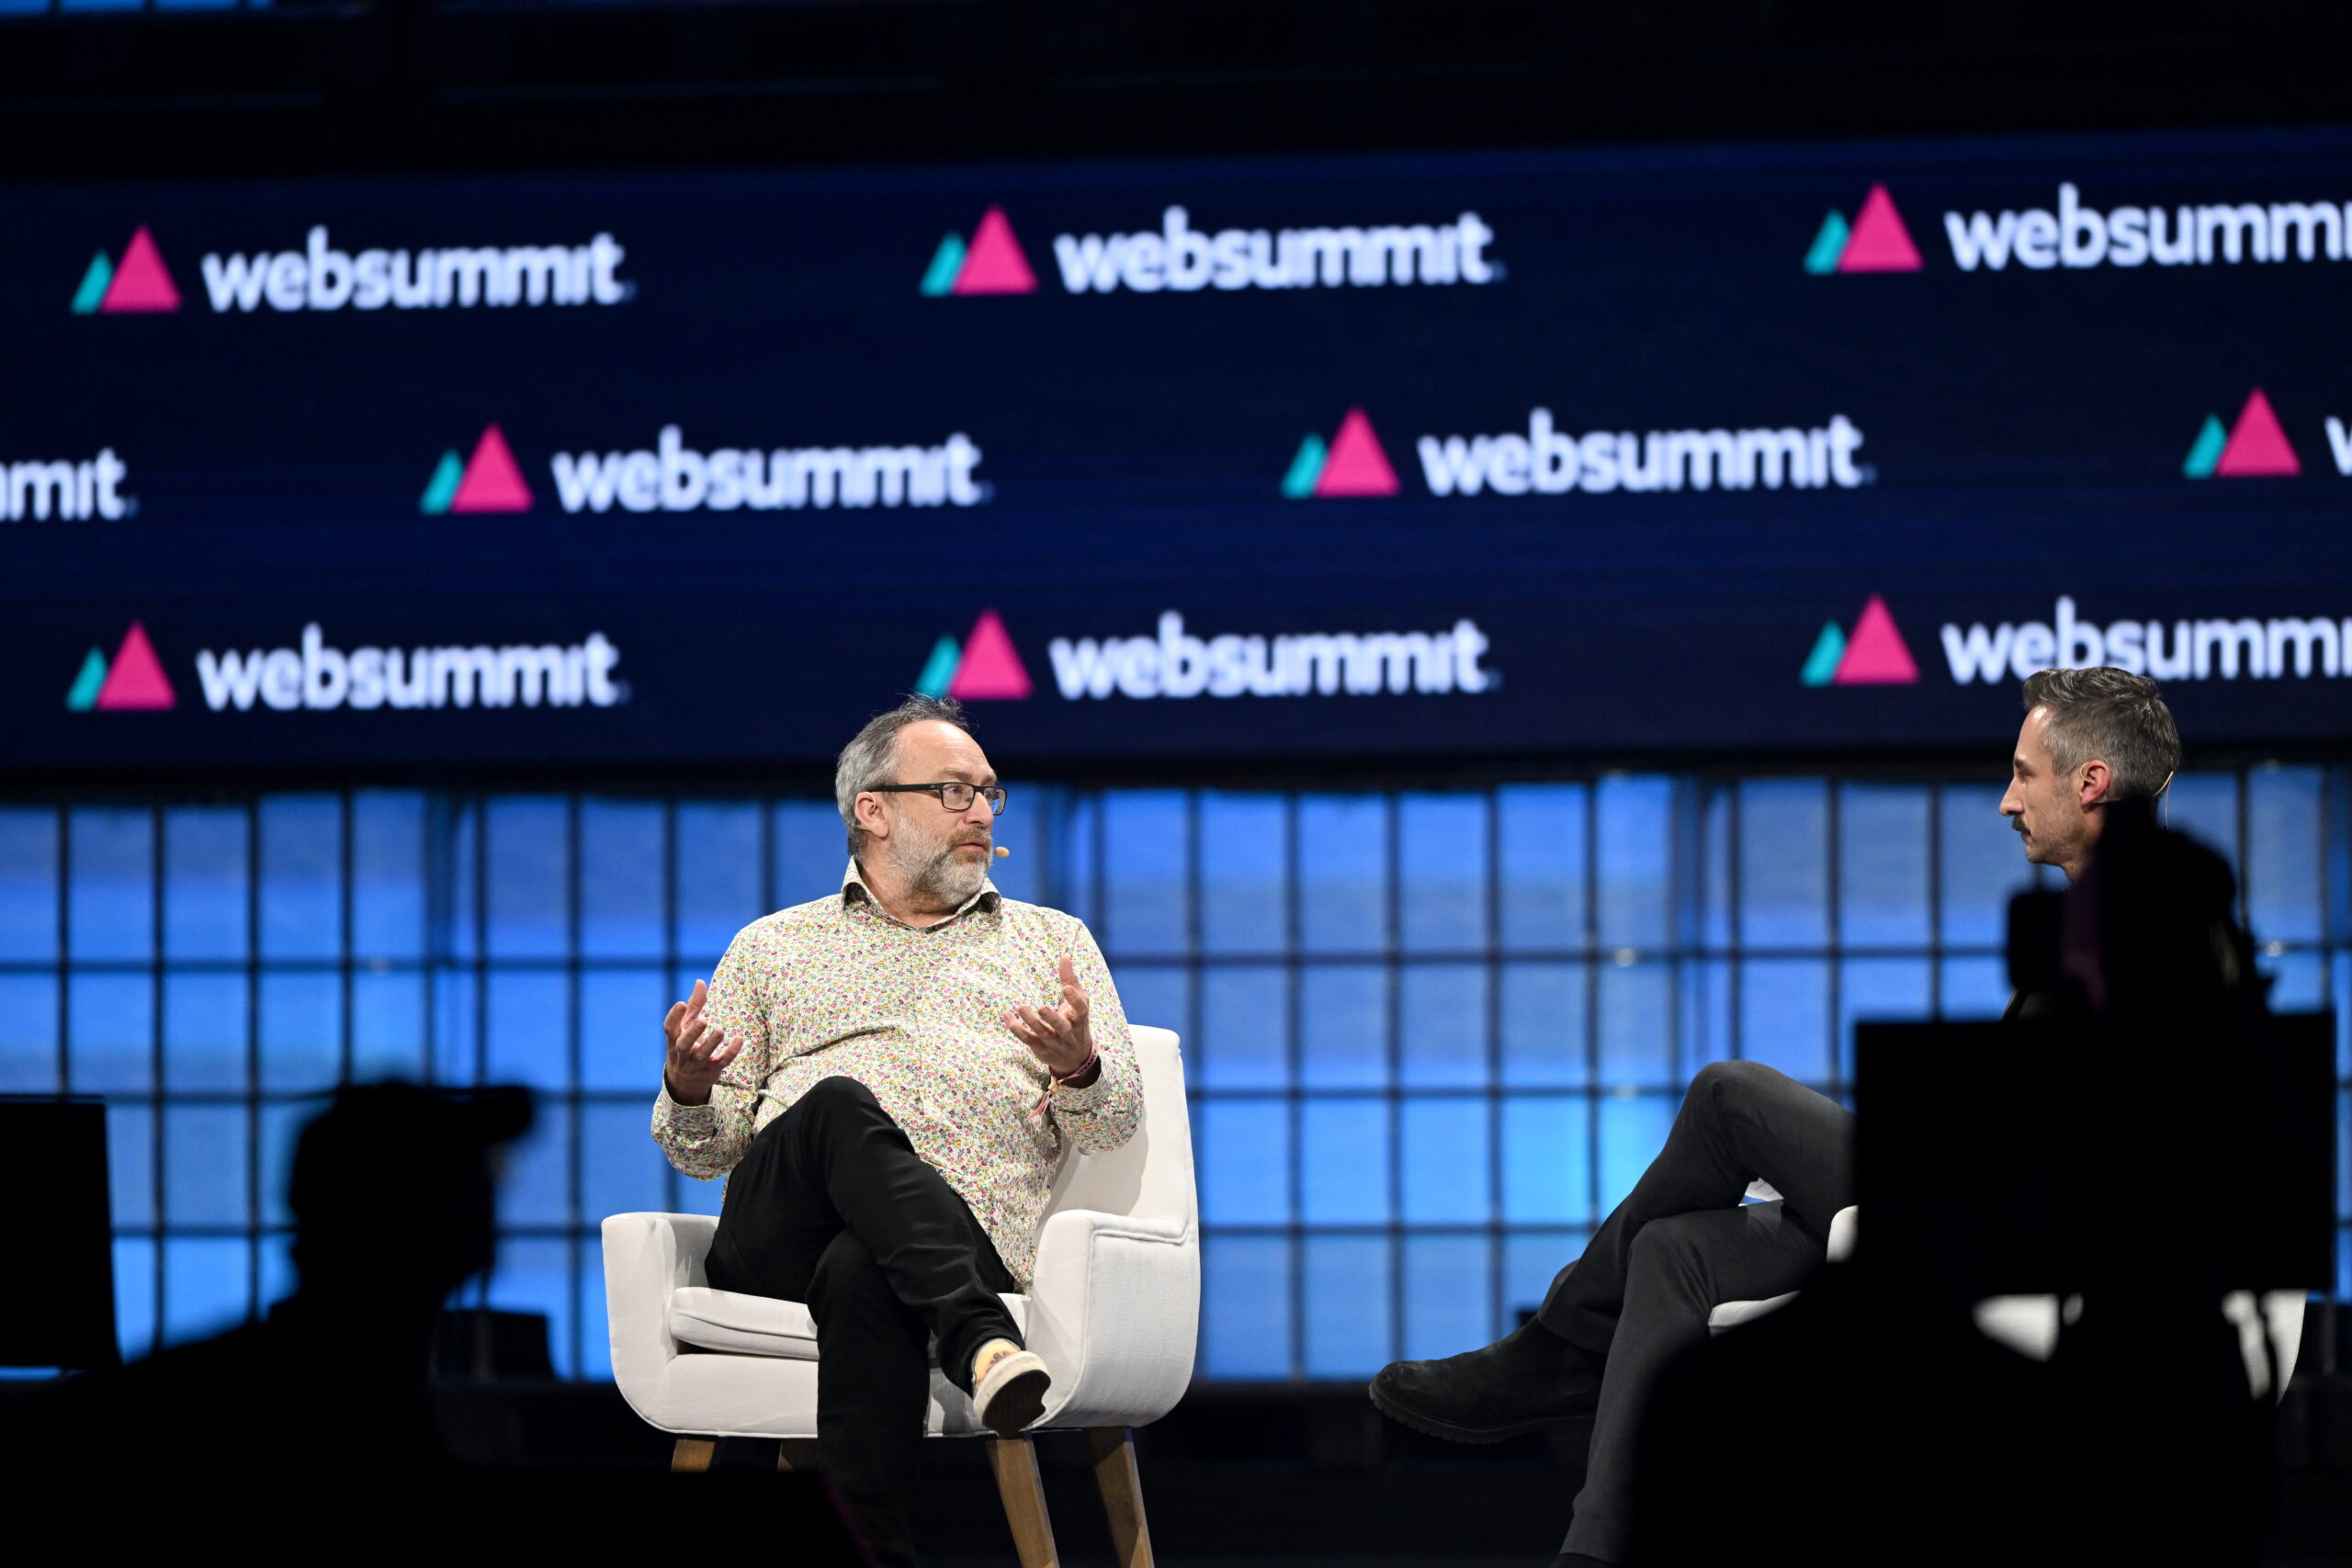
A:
(831, 1205)
(1681, 1243)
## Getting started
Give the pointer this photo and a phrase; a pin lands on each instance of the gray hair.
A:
(873, 756)
(2120, 719)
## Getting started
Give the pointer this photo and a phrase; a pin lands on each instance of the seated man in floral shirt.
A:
(892, 1074)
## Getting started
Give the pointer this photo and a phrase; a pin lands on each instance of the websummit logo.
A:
(140, 284)
(134, 681)
(1875, 242)
(1874, 656)
(2255, 448)
(1353, 464)
(490, 481)
(991, 263)
(986, 667)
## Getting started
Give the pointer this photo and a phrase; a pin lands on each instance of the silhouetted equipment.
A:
(53, 1181)
(1977, 1157)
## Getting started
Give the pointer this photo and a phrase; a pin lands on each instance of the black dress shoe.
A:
(1528, 1380)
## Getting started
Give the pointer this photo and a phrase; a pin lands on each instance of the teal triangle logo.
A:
(1828, 650)
(1828, 245)
(2205, 456)
(84, 695)
(448, 475)
(1306, 469)
(939, 669)
(87, 298)
(939, 278)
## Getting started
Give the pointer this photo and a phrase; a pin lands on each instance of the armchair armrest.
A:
(646, 1258)
(1842, 1229)
(1114, 1310)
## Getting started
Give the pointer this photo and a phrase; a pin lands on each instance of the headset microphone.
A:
(1002, 851)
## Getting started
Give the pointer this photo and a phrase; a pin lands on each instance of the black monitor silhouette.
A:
(53, 1180)
(1980, 1151)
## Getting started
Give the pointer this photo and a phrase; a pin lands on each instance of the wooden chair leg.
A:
(797, 1453)
(1015, 1459)
(693, 1454)
(1114, 1450)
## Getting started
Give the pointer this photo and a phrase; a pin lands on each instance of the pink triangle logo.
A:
(1875, 655)
(136, 680)
(994, 265)
(2257, 446)
(141, 282)
(1356, 464)
(1880, 242)
(991, 668)
(492, 482)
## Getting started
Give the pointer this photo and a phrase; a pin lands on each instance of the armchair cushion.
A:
(713, 1319)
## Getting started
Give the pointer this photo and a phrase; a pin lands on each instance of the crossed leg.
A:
(1680, 1243)
(831, 1205)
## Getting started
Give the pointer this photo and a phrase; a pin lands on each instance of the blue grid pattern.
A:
(1434, 1036)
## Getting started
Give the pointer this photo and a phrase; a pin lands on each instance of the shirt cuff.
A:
(1070, 1097)
(700, 1118)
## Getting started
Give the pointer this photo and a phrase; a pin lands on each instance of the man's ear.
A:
(2097, 784)
(871, 817)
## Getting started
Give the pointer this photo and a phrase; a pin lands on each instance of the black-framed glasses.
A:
(954, 797)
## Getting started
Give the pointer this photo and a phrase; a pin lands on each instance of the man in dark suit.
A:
(1684, 1241)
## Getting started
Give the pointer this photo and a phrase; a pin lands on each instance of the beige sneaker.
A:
(1008, 1387)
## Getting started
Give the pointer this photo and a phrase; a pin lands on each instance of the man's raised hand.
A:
(1061, 1037)
(699, 1050)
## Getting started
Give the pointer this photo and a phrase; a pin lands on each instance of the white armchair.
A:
(1731, 1314)
(2029, 1324)
(1114, 1310)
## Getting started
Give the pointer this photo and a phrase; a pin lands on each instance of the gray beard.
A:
(937, 877)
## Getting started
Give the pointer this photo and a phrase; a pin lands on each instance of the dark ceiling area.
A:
(412, 84)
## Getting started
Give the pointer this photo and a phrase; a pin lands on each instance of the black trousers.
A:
(831, 1205)
(1681, 1243)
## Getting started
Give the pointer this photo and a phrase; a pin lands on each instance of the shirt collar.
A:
(854, 891)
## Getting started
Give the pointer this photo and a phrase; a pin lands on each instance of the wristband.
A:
(1039, 1109)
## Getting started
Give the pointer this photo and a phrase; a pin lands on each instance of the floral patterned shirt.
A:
(839, 987)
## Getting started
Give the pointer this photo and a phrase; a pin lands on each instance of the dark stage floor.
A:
(1252, 1477)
